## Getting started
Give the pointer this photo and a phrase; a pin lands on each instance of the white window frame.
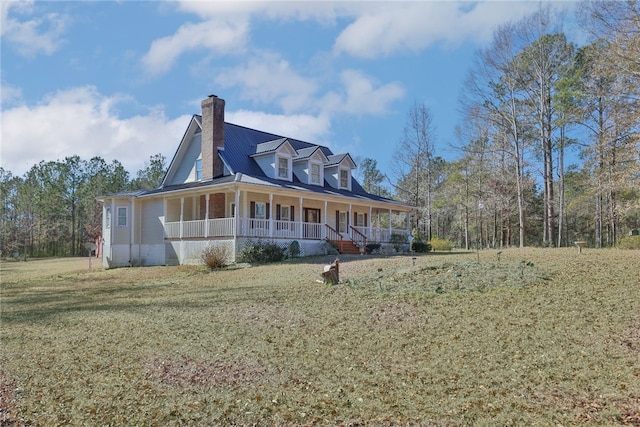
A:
(347, 173)
(279, 170)
(198, 170)
(285, 213)
(107, 215)
(126, 216)
(261, 210)
(313, 165)
(360, 220)
(342, 221)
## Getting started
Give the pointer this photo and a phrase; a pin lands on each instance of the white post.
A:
(206, 216)
(181, 215)
(370, 221)
(236, 200)
(389, 224)
(270, 214)
(300, 219)
(324, 229)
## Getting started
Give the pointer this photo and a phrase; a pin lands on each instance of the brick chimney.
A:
(212, 136)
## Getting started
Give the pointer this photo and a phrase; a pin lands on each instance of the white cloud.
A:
(80, 121)
(39, 34)
(386, 28)
(217, 35)
(269, 79)
(298, 126)
(363, 95)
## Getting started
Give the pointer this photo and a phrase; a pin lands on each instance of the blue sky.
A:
(120, 80)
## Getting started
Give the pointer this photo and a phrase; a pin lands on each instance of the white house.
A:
(229, 184)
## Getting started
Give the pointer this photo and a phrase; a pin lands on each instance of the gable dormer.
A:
(308, 165)
(337, 171)
(275, 158)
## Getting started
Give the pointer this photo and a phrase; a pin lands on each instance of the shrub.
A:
(261, 252)
(215, 256)
(420, 246)
(294, 249)
(438, 244)
(629, 242)
(398, 240)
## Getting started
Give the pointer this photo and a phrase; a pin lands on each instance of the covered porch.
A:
(249, 213)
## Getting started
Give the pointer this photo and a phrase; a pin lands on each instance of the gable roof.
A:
(241, 145)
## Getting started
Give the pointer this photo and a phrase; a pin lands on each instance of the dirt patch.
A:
(213, 373)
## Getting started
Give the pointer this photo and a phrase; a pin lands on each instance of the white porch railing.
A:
(261, 228)
(190, 229)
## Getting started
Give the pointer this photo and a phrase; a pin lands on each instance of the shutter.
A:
(338, 221)
(268, 211)
(366, 220)
(277, 212)
(355, 218)
(291, 214)
(252, 211)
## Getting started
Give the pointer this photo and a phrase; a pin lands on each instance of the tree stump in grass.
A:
(331, 273)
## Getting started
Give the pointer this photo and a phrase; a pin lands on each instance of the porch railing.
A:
(261, 228)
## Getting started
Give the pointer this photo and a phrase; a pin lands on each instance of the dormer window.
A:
(198, 169)
(344, 179)
(283, 168)
(315, 173)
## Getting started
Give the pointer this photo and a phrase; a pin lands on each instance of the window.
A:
(342, 222)
(360, 220)
(344, 178)
(108, 218)
(283, 167)
(198, 169)
(261, 211)
(285, 213)
(122, 217)
(315, 173)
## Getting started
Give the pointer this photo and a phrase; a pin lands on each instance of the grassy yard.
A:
(525, 337)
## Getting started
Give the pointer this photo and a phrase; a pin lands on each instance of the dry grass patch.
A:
(548, 341)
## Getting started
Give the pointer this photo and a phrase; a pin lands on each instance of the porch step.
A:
(346, 247)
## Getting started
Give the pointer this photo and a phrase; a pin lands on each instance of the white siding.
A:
(185, 170)
(152, 215)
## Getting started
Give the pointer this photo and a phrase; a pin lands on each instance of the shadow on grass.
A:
(41, 305)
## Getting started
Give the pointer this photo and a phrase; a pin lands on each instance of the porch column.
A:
(270, 214)
(370, 221)
(349, 219)
(300, 220)
(181, 215)
(324, 229)
(206, 216)
(236, 200)
(389, 224)
(164, 218)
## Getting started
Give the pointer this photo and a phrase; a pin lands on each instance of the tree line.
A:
(531, 100)
(52, 210)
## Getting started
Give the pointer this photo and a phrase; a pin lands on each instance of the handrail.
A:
(332, 233)
(359, 238)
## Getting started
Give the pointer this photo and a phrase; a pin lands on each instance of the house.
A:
(228, 184)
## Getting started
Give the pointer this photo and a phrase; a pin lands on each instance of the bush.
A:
(215, 256)
(261, 252)
(294, 249)
(398, 240)
(629, 242)
(441, 244)
(420, 246)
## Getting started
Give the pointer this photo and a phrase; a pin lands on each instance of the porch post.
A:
(206, 216)
(324, 229)
(300, 219)
(181, 215)
(164, 218)
(349, 219)
(270, 214)
(389, 224)
(370, 221)
(236, 200)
